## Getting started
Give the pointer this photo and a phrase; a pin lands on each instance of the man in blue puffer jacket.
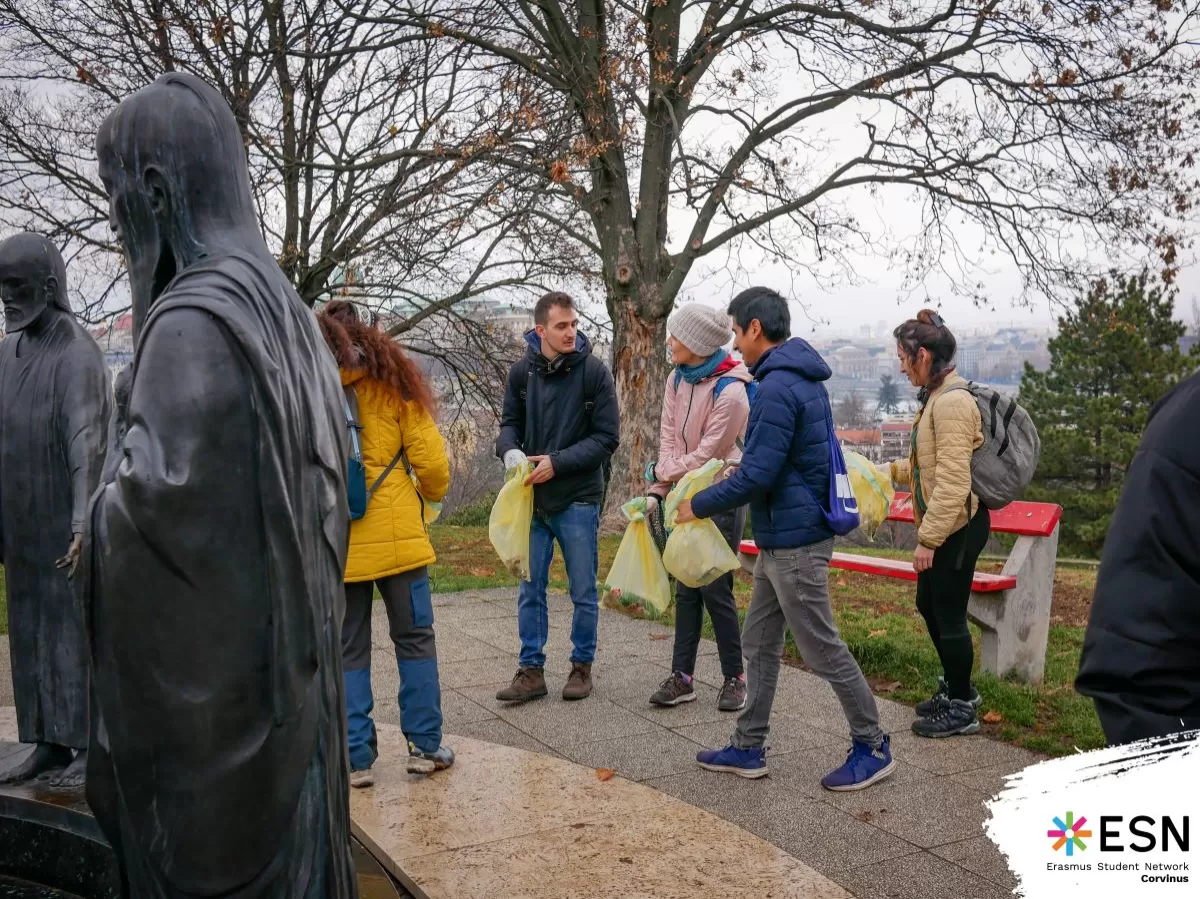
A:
(784, 475)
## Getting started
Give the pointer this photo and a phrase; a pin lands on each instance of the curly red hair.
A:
(357, 346)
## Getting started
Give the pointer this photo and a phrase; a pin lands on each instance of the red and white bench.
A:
(1012, 608)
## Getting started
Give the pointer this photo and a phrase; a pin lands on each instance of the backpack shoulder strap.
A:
(350, 408)
(593, 374)
(522, 369)
(721, 384)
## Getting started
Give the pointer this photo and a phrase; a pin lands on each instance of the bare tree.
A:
(851, 412)
(356, 145)
(685, 129)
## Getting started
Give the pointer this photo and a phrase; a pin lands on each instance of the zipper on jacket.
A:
(686, 416)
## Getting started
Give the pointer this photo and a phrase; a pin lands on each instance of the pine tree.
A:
(1115, 355)
(888, 398)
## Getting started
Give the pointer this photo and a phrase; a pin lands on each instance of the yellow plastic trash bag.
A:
(508, 527)
(873, 491)
(696, 553)
(637, 570)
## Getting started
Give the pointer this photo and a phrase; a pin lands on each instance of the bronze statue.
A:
(54, 408)
(215, 547)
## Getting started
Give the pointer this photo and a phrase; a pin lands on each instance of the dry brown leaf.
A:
(889, 687)
(865, 817)
(660, 636)
(992, 718)
(882, 632)
(603, 774)
(483, 572)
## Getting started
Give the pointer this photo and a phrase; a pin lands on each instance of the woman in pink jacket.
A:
(705, 409)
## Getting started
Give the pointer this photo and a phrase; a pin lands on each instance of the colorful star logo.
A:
(1069, 834)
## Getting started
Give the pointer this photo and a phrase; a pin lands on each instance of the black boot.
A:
(951, 718)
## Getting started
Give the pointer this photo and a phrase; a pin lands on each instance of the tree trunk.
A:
(640, 367)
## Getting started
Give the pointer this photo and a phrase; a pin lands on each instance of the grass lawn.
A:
(879, 622)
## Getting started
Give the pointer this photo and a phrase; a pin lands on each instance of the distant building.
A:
(116, 341)
(852, 362)
(867, 443)
(896, 437)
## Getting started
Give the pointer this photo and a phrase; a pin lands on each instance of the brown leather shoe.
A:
(579, 683)
(527, 684)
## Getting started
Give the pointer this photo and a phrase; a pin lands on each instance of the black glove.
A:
(654, 518)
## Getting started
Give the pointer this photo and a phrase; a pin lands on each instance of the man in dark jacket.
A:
(560, 413)
(1141, 654)
(784, 475)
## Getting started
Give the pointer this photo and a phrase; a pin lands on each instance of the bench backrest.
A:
(1025, 519)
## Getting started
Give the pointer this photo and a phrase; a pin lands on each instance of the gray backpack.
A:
(1004, 464)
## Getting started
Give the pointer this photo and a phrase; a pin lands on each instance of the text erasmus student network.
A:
(1142, 834)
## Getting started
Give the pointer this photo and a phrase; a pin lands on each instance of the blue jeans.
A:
(576, 528)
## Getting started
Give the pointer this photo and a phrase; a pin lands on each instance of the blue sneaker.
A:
(863, 767)
(742, 762)
(421, 762)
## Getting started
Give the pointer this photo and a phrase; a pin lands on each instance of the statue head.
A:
(33, 277)
(173, 162)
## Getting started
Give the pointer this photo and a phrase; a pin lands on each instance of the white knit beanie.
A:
(700, 328)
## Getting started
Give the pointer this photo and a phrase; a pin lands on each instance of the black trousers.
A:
(717, 597)
(943, 592)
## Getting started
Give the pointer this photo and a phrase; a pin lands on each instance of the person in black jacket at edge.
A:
(1141, 654)
(560, 413)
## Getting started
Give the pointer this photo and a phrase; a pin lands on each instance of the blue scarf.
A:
(694, 374)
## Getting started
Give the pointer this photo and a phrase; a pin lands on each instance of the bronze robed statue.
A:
(215, 547)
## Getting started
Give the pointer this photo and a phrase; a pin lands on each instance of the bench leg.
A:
(748, 562)
(1015, 625)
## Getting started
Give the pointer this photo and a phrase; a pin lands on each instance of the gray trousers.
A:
(791, 590)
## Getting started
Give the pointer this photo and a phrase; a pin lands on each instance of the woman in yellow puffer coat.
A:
(952, 525)
(406, 468)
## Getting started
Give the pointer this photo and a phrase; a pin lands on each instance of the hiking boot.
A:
(675, 689)
(750, 763)
(926, 708)
(733, 694)
(362, 779)
(527, 684)
(951, 718)
(864, 766)
(421, 762)
(579, 681)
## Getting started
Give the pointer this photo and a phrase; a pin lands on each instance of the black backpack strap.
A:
(593, 372)
(356, 425)
(522, 373)
(593, 375)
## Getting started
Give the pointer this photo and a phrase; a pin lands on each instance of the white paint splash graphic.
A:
(1147, 794)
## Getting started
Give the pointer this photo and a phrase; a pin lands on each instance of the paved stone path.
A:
(919, 834)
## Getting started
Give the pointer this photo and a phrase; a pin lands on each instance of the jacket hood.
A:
(733, 368)
(533, 345)
(794, 355)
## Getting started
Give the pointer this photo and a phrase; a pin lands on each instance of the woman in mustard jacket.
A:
(952, 525)
(389, 545)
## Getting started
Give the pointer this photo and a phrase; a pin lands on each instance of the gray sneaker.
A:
(675, 689)
(733, 695)
(420, 762)
(929, 706)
